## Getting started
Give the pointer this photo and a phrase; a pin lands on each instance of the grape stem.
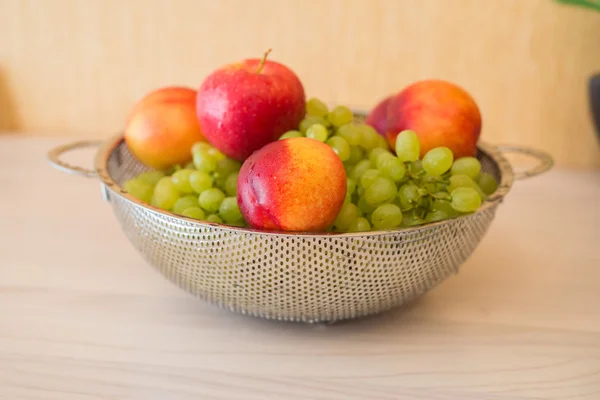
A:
(441, 197)
(262, 61)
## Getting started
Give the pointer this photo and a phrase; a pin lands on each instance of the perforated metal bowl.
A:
(301, 276)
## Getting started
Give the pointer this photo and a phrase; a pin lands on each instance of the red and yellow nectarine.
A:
(441, 113)
(296, 184)
(162, 127)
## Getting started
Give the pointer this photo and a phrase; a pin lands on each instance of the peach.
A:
(162, 127)
(296, 184)
(441, 113)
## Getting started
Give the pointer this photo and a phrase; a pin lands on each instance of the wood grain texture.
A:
(83, 317)
(76, 66)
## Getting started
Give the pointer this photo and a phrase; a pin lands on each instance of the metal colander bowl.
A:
(296, 276)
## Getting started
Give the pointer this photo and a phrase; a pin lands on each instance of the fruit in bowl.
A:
(331, 173)
(295, 184)
(243, 106)
(264, 157)
(442, 114)
(162, 126)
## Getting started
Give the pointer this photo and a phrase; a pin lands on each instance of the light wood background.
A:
(74, 67)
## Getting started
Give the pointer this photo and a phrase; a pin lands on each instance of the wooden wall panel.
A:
(74, 67)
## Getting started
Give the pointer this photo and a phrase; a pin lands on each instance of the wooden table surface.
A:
(83, 317)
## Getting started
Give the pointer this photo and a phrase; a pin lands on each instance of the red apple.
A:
(243, 106)
(296, 184)
(441, 113)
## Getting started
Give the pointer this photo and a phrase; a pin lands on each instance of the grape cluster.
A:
(204, 189)
(386, 188)
(390, 189)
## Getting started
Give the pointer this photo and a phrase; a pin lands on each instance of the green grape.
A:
(465, 199)
(386, 216)
(359, 212)
(432, 184)
(229, 210)
(291, 134)
(227, 166)
(340, 115)
(348, 167)
(360, 191)
(165, 193)
(415, 168)
(346, 216)
(382, 143)
(487, 183)
(215, 154)
(356, 155)
(316, 108)
(184, 203)
(340, 146)
(437, 161)
(318, 132)
(214, 218)
(391, 167)
(207, 151)
(412, 219)
(200, 181)
(369, 137)
(382, 190)
(204, 162)
(173, 169)
(310, 121)
(443, 206)
(407, 146)
(238, 223)
(359, 169)
(365, 207)
(368, 177)
(360, 224)
(181, 180)
(139, 189)
(190, 165)
(351, 133)
(441, 195)
(211, 199)
(350, 185)
(376, 153)
(435, 215)
(469, 166)
(200, 147)
(230, 185)
(151, 177)
(193, 212)
(457, 181)
(408, 196)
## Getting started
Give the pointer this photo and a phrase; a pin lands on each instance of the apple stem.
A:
(262, 62)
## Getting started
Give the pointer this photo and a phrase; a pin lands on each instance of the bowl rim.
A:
(111, 144)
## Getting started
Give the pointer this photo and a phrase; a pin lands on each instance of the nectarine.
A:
(162, 127)
(441, 113)
(295, 184)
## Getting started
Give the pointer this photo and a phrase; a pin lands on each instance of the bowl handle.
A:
(544, 160)
(55, 161)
